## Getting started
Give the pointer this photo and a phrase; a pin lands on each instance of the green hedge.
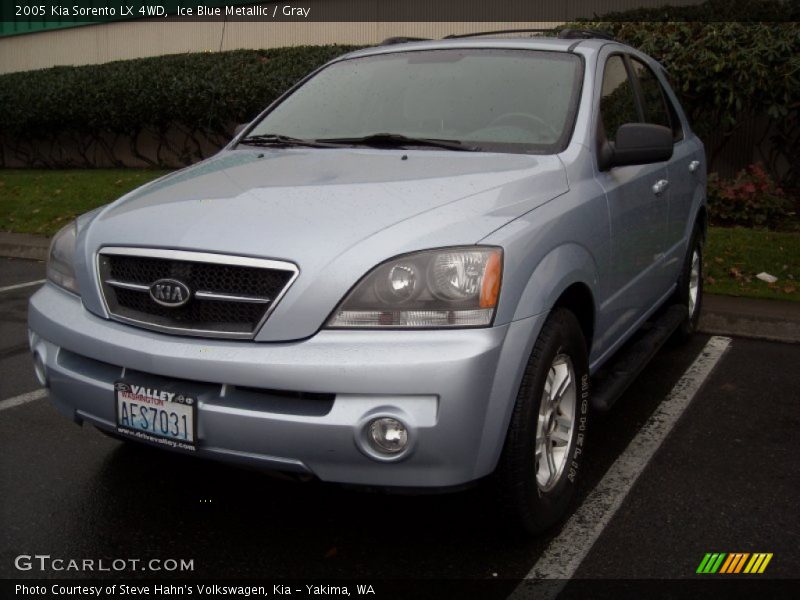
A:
(727, 74)
(731, 62)
(201, 94)
(713, 11)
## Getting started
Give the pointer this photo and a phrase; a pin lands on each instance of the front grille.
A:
(228, 296)
(210, 277)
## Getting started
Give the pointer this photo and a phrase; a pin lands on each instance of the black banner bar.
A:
(22, 12)
(717, 587)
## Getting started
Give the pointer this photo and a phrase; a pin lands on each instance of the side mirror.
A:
(239, 128)
(637, 144)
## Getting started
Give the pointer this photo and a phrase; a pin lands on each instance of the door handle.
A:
(693, 166)
(660, 186)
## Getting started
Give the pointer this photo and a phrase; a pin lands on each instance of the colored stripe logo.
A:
(734, 562)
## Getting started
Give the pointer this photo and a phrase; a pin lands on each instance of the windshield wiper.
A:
(276, 139)
(399, 140)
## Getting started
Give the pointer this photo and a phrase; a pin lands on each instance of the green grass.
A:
(733, 258)
(42, 201)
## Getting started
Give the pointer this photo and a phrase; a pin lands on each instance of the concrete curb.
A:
(24, 245)
(773, 320)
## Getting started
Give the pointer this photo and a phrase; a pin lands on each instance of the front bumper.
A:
(453, 389)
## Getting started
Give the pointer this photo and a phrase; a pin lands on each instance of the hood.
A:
(335, 213)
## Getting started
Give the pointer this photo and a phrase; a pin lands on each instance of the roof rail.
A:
(564, 34)
(584, 34)
(401, 40)
(480, 33)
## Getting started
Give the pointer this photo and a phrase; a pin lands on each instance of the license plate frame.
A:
(155, 414)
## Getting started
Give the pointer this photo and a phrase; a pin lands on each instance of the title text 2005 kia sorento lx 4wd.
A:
(404, 272)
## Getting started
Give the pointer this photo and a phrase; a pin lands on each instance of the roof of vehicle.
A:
(527, 42)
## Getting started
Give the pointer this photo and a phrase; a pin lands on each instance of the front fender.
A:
(563, 266)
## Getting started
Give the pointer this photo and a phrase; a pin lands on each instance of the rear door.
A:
(684, 169)
(638, 210)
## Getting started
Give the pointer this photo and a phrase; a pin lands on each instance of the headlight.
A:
(60, 269)
(450, 287)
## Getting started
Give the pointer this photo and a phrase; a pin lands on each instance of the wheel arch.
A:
(701, 219)
(578, 299)
(565, 277)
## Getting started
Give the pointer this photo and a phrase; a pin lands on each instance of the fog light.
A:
(40, 369)
(387, 436)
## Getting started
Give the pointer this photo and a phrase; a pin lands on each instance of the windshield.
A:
(489, 99)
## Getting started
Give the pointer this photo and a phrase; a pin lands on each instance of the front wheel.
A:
(541, 459)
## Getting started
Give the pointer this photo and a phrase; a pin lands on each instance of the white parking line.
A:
(566, 551)
(23, 399)
(8, 288)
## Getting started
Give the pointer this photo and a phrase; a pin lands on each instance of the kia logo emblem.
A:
(170, 292)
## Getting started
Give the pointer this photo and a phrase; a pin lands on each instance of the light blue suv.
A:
(404, 273)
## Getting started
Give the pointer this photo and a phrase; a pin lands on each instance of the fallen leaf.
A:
(332, 552)
(717, 259)
(789, 289)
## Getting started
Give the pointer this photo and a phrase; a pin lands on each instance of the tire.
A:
(690, 288)
(534, 495)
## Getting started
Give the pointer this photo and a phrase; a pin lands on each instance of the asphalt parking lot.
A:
(725, 479)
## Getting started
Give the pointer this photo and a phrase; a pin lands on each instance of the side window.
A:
(617, 102)
(654, 99)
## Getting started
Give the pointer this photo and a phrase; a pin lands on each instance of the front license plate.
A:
(160, 416)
